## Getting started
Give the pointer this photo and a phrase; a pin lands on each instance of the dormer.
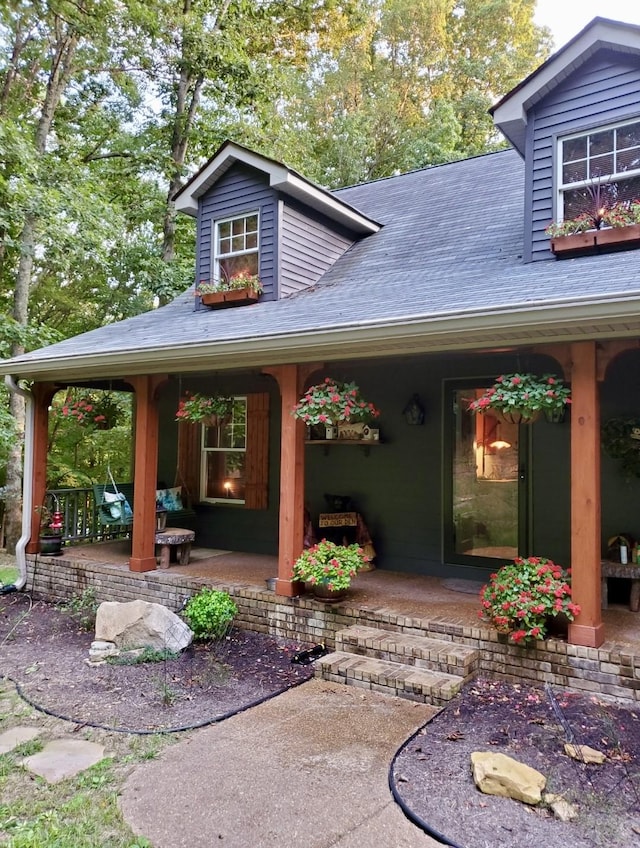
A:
(576, 123)
(256, 216)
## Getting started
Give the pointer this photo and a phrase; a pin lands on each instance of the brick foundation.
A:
(611, 671)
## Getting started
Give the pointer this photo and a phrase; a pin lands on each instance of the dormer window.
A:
(606, 160)
(236, 247)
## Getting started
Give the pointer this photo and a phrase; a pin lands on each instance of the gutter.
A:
(27, 486)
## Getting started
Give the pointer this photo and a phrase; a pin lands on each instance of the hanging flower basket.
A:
(523, 398)
(96, 410)
(210, 410)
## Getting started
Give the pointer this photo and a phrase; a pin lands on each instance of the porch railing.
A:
(80, 516)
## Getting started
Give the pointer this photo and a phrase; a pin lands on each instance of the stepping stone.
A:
(10, 739)
(64, 758)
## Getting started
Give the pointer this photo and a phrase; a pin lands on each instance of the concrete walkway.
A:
(308, 769)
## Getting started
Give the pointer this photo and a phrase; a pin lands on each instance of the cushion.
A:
(169, 499)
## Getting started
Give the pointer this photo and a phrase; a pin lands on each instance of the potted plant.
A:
(603, 223)
(210, 410)
(523, 597)
(230, 291)
(335, 404)
(101, 411)
(51, 530)
(328, 568)
(522, 398)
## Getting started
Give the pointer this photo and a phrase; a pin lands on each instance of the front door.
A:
(485, 499)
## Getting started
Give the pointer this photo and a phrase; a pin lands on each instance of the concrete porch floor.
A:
(453, 600)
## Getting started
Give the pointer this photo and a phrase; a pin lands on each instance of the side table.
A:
(179, 540)
(628, 572)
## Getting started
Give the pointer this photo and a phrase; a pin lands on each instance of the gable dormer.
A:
(256, 216)
(576, 123)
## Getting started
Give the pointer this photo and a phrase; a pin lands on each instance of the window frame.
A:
(216, 256)
(615, 177)
(204, 451)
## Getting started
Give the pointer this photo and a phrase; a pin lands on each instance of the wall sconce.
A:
(414, 411)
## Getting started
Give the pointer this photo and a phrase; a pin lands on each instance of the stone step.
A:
(389, 678)
(419, 651)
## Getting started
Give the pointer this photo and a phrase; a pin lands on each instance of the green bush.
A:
(210, 614)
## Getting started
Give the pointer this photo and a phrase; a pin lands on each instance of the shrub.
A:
(210, 614)
(521, 598)
(82, 609)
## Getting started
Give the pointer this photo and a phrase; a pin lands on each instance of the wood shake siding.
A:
(605, 90)
(240, 191)
(309, 246)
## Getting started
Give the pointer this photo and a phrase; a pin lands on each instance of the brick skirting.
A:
(609, 670)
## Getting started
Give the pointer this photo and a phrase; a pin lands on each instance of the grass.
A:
(8, 574)
(83, 811)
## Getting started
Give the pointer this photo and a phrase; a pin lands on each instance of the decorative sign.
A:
(338, 519)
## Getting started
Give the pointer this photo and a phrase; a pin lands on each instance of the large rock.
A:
(497, 774)
(139, 624)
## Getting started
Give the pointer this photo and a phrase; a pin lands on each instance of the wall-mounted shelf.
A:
(365, 444)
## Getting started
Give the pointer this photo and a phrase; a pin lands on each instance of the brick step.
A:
(419, 651)
(389, 678)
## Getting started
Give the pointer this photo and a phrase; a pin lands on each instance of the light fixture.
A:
(498, 442)
(414, 411)
(227, 487)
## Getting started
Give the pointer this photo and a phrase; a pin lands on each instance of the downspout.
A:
(27, 486)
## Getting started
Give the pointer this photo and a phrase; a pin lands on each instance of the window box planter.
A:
(574, 243)
(627, 236)
(235, 297)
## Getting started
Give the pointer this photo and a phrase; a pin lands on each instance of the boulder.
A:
(497, 774)
(138, 624)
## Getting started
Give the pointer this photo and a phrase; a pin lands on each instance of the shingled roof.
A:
(445, 272)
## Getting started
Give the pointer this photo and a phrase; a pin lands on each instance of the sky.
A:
(565, 18)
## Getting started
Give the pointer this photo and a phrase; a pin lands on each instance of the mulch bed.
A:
(432, 773)
(45, 651)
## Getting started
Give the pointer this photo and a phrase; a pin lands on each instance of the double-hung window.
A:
(601, 165)
(236, 247)
(224, 453)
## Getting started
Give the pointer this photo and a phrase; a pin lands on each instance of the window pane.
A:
(224, 229)
(628, 136)
(225, 475)
(628, 160)
(601, 142)
(252, 240)
(237, 243)
(224, 245)
(574, 172)
(238, 226)
(234, 265)
(574, 148)
(252, 224)
(601, 166)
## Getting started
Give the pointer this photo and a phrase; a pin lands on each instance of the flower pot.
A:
(329, 596)
(50, 545)
(625, 236)
(235, 297)
(213, 299)
(574, 243)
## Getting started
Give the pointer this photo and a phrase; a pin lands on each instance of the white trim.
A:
(281, 178)
(204, 450)
(215, 257)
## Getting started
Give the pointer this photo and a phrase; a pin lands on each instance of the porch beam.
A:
(587, 629)
(290, 379)
(145, 473)
(42, 395)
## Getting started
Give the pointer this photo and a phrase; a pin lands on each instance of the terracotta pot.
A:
(330, 596)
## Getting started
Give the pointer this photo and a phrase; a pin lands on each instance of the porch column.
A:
(145, 474)
(42, 395)
(292, 433)
(588, 629)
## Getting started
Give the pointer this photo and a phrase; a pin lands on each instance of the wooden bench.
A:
(628, 572)
(178, 517)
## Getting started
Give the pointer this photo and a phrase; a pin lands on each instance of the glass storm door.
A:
(485, 505)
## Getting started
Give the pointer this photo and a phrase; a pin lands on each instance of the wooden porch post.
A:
(42, 394)
(292, 433)
(145, 474)
(588, 629)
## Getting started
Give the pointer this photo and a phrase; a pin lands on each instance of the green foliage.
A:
(522, 596)
(527, 394)
(330, 565)
(210, 614)
(621, 440)
(147, 655)
(82, 608)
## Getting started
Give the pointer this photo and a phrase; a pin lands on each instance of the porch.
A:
(443, 608)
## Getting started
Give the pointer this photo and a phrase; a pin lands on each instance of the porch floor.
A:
(453, 600)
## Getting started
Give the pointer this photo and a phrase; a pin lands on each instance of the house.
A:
(426, 284)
